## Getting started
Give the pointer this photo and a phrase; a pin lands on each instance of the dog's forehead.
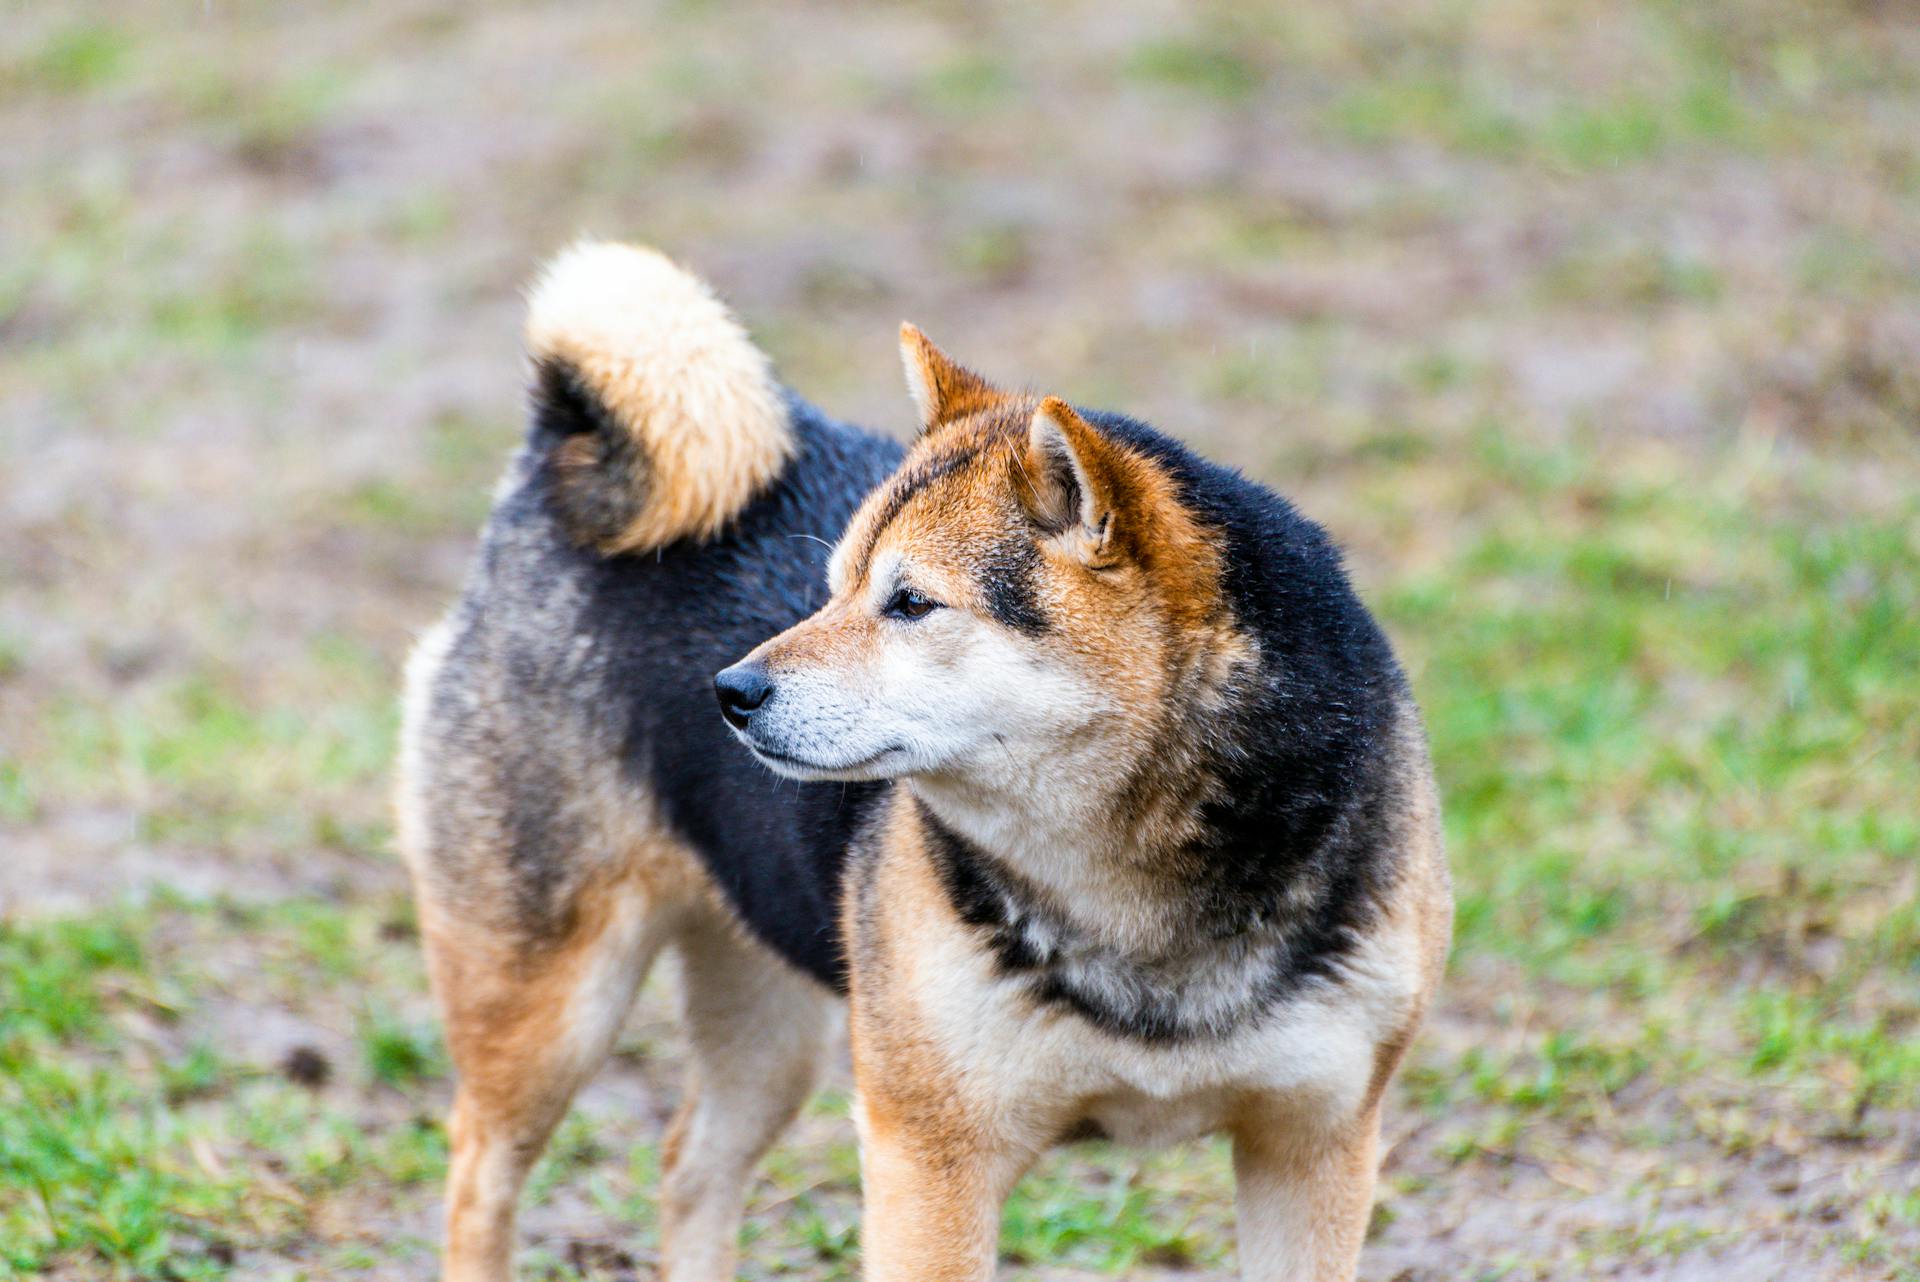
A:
(948, 493)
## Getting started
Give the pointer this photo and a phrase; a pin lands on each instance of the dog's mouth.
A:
(784, 763)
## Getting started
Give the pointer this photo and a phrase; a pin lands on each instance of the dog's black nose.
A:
(741, 689)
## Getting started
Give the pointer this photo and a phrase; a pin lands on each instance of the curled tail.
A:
(665, 418)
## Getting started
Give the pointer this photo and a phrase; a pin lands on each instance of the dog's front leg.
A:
(947, 1123)
(931, 1198)
(1305, 1195)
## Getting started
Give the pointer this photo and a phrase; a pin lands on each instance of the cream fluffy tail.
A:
(669, 417)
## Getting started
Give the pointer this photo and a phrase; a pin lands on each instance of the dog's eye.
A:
(908, 604)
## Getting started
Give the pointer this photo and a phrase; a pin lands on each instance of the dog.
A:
(1113, 814)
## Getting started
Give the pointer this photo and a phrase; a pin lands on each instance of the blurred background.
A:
(1590, 327)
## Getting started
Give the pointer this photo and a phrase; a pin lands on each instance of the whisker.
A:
(1021, 463)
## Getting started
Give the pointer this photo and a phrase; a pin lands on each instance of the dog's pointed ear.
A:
(1072, 481)
(942, 388)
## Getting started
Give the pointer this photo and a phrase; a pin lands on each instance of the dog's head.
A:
(1028, 590)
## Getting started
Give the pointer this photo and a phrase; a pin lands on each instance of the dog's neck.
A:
(1061, 837)
(1163, 939)
(1105, 824)
(1179, 896)
(1110, 848)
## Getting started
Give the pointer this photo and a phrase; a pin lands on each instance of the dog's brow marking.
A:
(904, 487)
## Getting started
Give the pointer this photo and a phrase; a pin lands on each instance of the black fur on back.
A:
(776, 847)
(1309, 752)
(560, 653)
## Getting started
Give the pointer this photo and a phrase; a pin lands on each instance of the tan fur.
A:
(527, 1027)
(941, 387)
(410, 803)
(933, 1167)
(1304, 1197)
(677, 371)
(950, 1119)
(525, 1030)
(759, 1033)
(1423, 908)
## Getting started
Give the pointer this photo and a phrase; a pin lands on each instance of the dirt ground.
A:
(1592, 330)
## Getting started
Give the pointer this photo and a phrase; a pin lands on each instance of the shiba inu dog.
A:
(1114, 816)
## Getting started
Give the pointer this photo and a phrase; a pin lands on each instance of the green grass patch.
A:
(1209, 68)
(94, 1169)
(969, 85)
(1114, 1211)
(267, 285)
(73, 59)
(126, 1153)
(1571, 133)
(1676, 748)
(398, 1052)
(1678, 89)
(202, 758)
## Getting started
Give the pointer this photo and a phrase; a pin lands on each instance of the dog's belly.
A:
(1144, 1121)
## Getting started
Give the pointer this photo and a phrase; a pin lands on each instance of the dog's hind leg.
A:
(759, 1030)
(526, 1027)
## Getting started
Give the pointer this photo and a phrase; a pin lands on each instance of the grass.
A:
(72, 59)
(93, 1163)
(1587, 327)
(1210, 68)
(1681, 748)
(126, 1137)
(1577, 133)
(200, 757)
(398, 1053)
(1130, 1213)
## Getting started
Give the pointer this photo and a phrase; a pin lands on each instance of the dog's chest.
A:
(1206, 976)
(1315, 1049)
